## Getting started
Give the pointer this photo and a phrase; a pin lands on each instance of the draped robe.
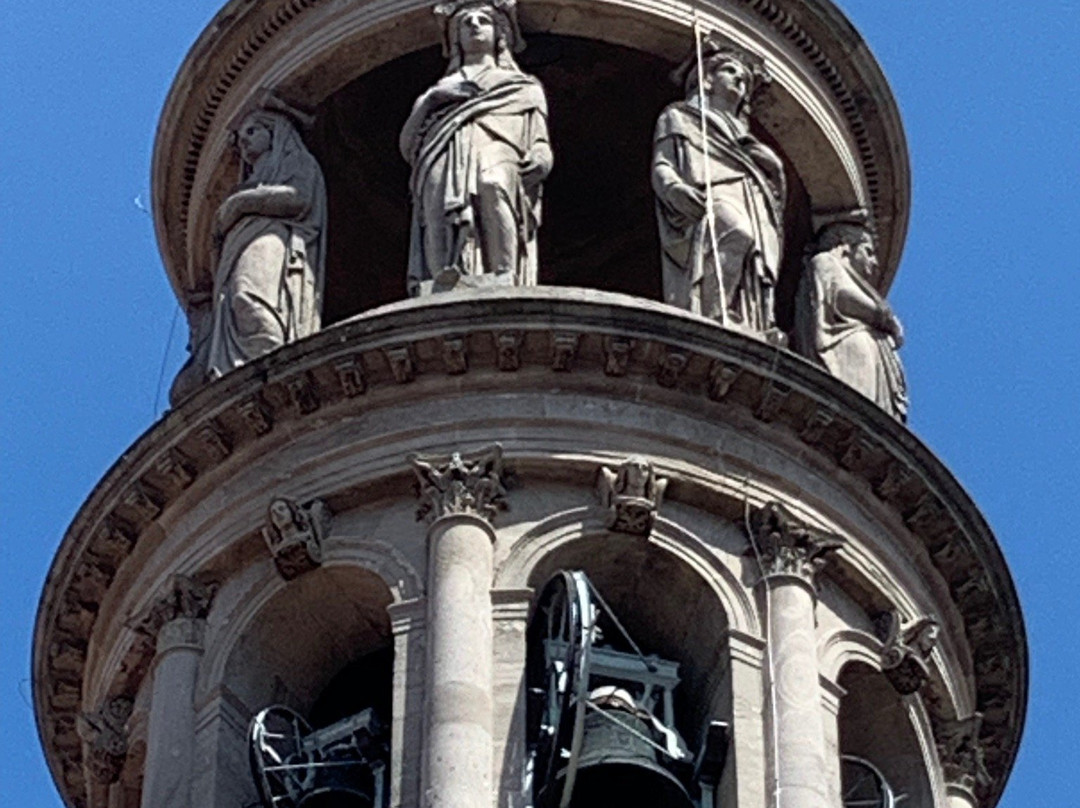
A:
(482, 139)
(747, 204)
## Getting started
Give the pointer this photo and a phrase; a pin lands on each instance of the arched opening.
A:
(599, 228)
(875, 728)
(316, 664)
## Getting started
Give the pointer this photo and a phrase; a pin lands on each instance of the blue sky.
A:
(987, 290)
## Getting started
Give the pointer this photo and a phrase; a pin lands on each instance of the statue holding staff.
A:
(272, 230)
(720, 192)
(844, 323)
(477, 141)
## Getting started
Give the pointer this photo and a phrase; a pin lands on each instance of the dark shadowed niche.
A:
(599, 226)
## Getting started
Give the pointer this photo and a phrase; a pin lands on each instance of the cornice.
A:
(617, 340)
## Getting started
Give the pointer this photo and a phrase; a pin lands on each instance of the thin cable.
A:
(165, 359)
(649, 665)
(770, 662)
(710, 220)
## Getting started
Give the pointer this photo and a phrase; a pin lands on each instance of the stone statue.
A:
(630, 495)
(720, 194)
(272, 229)
(477, 141)
(844, 323)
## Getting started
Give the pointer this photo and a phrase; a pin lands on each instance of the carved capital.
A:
(184, 598)
(630, 495)
(907, 649)
(961, 753)
(294, 535)
(460, 484)
(104, 732)
(786, 547)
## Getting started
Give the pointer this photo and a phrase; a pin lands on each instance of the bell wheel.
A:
(863, 785)
(561, 633)
(275, 744)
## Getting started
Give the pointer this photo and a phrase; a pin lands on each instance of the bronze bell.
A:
(617, 766)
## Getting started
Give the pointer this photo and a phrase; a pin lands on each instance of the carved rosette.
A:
(104, 732)
(630, 496)
(788, 548)
(460, 484)
(961, 754)
(907, 649)
(294, 535)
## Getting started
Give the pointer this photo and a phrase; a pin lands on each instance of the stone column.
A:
(511, 617)
(790, 558)
(178, 621)
(831, 696)
(407, 622)
(459, 496)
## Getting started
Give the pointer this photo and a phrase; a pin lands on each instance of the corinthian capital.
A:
(961, 753)
(184, 597)
(460, 484)
(786, 547)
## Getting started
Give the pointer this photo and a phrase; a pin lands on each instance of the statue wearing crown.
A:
(477, 141)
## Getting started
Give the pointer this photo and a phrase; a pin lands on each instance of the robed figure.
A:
(478, 145)
(272, 231)
(720, 193)
(845, 324)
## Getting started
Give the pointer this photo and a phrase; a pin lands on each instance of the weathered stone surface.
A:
(907, 647)
(630, 496)
(786, 547)
(478, 145)
(294, 535)
(469, 483)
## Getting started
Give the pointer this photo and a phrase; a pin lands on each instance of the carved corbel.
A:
(786, 547)
(294, 535)
(630, 496)
(907, 649)
(105, 734)
(461, 484)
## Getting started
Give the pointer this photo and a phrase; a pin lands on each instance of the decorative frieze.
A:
(469, 483)
(906, 651)
(257, 415)
(564, 346)
(400, 360)
(671, 366)
(896, 479)
(508, 349)
(143, 501)
(104, 732)
(350, 374)
(773, 396)
(721, 377)
(304, 393)
(630, 495)
(786, 547)
(294, 535)
(455, 357)
(215, 439)
(617, 355)
(817, 423)
(177, 468)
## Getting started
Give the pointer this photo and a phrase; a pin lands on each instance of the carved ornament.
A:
(961, 753)
(105, 734)
(786, 547)
(294, 535)
(461, 484)
(907, 649)
(184, 598)
(630, 496)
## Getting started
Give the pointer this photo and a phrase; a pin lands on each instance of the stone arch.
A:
(654, 585)
(846, 646)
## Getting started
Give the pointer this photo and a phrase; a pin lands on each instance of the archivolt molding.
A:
(580, 524)
(845, 646)
(380, 557)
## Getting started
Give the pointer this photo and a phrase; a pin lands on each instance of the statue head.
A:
(729, 73)
(488, 25)
(267, 138)
(855, 242)
(281, 514)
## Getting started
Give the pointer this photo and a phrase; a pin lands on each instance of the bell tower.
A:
(542, 442)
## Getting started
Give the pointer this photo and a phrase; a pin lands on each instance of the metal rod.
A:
(649, 665)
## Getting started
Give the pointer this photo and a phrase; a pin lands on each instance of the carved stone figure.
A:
(907, 647)
(295, 534)
(631, 495)
(720, 193)
(272, 228)
(105, 734)
(477, 141)
(845, 324)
